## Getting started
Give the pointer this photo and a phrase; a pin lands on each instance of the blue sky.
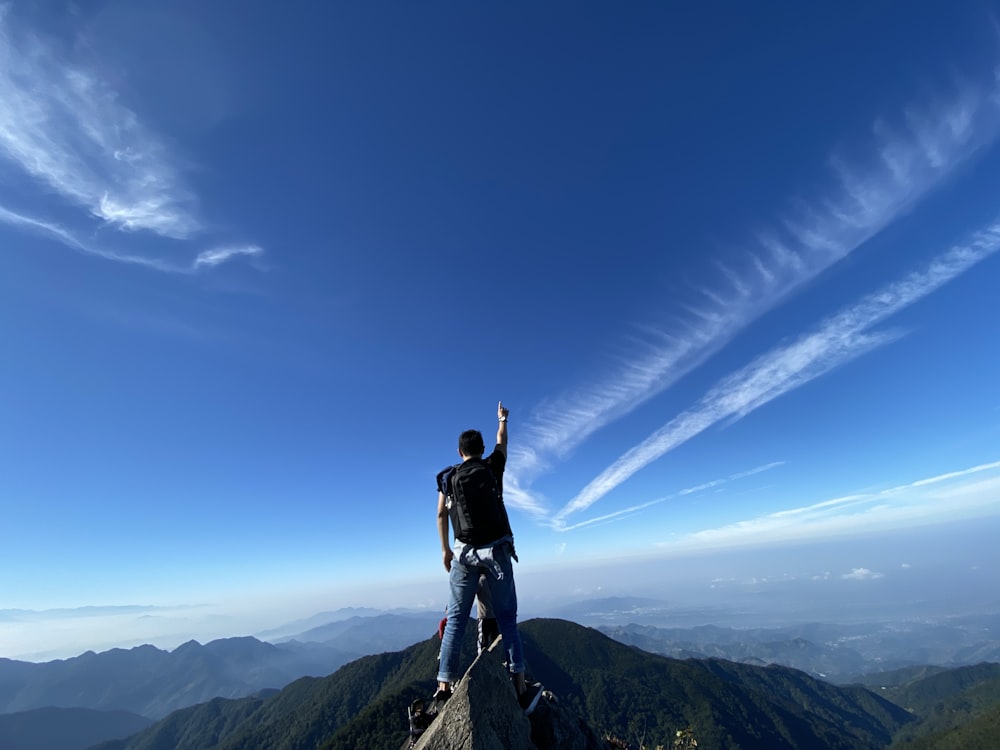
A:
(732, 267)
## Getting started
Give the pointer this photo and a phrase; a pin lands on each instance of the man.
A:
(470, 497)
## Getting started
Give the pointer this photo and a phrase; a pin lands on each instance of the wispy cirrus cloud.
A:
(218, 255)
(839, 339)
(908, 159)
(54, 231)
(714, 484)
(967, 493)
(88, 158)
(204, 259)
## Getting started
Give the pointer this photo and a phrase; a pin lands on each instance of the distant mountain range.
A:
(149, 683)
(293, 630)
(838, 653)
(372, 634)
(617, 689)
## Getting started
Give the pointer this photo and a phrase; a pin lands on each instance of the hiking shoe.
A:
(529, 698)
(440, 698)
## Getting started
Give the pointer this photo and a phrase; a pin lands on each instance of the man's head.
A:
(470, 444)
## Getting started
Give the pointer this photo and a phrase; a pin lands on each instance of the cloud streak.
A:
(910, 159)
(88, 156)
(839, 339)
(206, 258)
(711, 485)
(219, 255)
(968, 493)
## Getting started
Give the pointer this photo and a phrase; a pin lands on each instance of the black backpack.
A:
(478, 515)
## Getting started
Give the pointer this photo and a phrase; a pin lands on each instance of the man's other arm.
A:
(442, 523)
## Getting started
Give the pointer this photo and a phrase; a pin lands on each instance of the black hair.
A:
(470, 443)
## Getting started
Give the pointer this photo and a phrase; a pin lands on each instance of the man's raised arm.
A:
(502, 413)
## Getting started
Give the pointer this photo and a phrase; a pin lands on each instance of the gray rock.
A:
(484, 714)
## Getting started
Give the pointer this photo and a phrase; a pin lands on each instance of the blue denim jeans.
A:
(466, 567)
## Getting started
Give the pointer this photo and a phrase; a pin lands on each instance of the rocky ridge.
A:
(484, 714)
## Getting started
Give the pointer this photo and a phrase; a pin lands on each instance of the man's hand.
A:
(448, 557)
(502, 412)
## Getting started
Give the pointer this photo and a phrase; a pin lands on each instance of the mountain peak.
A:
(484, 712)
